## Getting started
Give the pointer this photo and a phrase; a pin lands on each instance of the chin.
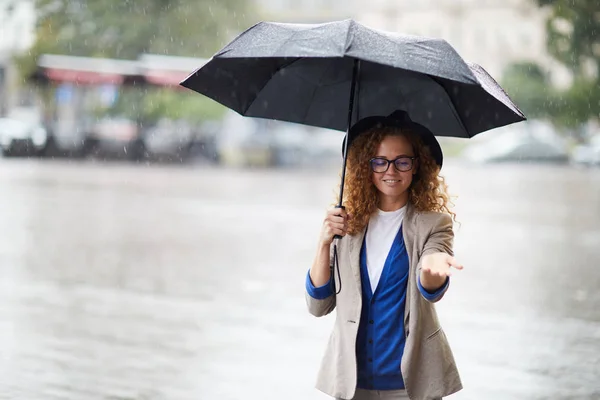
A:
(393, 192)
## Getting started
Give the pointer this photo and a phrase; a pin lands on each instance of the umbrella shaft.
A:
(353, 86)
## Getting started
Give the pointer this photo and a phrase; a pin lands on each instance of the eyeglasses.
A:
(402, 164)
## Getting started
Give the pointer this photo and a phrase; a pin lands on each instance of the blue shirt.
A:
(380, 340)
(381, 335)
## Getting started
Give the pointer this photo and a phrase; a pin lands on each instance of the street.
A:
(124, 281)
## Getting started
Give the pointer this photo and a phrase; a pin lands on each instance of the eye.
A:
(378, 162)
(403, 163)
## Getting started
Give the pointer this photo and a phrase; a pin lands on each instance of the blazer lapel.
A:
(354, 246)
(408, 231)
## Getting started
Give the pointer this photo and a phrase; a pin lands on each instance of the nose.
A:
(392, 171)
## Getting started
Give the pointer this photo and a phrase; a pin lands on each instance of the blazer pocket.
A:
(434, 334)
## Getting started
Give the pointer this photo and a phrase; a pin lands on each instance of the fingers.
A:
(454, 263)
(335, 223)
(337, 226)
(338, 212)
(330, 232)
(337, 217)
(339, 232)
(441, 272)
(436, 265)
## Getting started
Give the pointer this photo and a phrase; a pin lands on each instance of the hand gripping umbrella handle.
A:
(343, 208)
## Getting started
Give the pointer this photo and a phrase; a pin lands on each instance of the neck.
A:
(392, 203)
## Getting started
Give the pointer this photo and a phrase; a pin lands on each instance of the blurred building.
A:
(17, 34)
(306, 11)
(492, 33)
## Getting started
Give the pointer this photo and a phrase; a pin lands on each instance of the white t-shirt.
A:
(382, 230)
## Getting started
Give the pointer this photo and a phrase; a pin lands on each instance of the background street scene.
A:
(125, 282)
(154, 244)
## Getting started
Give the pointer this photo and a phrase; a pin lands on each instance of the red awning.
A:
(165, 78)
(82, 77)
(154, 70)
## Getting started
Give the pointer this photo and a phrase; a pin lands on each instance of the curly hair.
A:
(428, 190)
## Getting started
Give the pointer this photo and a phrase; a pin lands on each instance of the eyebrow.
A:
(401, 155)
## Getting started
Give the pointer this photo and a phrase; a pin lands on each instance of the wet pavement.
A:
(120, 281)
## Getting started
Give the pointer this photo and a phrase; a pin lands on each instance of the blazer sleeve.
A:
(439, 240)
(320, 301)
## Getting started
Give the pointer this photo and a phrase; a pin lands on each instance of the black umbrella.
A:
(329, 75)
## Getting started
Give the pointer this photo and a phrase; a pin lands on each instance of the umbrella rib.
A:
(227, 48)
(420, 40)
(285, 65)
(347, 44)
(285, 43)
(453, 108)
(315, 89)
(505, 98)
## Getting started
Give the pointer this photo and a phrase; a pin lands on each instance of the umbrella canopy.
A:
(305, 73)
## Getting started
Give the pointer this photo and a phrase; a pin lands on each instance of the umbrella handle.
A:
(343, 208)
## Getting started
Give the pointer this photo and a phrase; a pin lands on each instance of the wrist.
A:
(325, 244)
(431, 283)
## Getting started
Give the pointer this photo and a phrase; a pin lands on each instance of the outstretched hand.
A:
(435, 268)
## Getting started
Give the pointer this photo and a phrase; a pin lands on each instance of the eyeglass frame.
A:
(412, 165)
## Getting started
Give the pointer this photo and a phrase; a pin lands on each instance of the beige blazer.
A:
(428, 366)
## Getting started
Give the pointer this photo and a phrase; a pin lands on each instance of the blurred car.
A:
(22, 137)
(204, 145)
(243, 141)
(168, 140)
(324, 148)
(588, 154)
(529, 142)
(114, 137)
(288, 143)
(180, 141)
(300, 145)
(261, 142)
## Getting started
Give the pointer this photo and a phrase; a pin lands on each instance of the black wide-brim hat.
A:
(398, 119)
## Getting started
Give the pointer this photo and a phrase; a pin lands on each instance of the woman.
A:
(394, 262)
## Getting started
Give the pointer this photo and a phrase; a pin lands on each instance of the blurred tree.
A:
(573, 38)
(573, 29)
(528, 84)
(150, 105)
(127, 28)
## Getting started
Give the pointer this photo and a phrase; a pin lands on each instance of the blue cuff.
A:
(432, 296)
(319, 293)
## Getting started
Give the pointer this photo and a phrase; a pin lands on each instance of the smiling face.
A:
(392, 185)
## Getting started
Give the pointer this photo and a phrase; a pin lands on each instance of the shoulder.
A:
(435, 229)
(430, 220)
